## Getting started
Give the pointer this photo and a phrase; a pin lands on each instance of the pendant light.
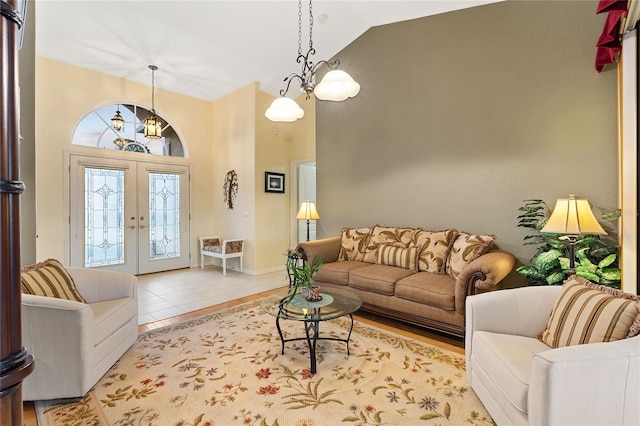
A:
(117, 122)
(336, 85)
(152, 125)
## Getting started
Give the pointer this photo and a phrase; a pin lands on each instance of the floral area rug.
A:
(227, 369)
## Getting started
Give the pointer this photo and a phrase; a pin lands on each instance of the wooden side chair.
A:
(214, 246)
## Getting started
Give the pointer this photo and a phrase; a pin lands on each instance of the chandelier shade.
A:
(284, 109)
(152, 125)
(336, 85)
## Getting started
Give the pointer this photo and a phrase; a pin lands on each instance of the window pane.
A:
(164, 212)
(104, 217)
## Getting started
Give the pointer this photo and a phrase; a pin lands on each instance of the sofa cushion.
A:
(507, 361)
(402, 257)
(433, 248)
(377, 278)
(465, 249)
(381, 235)
(430, 289)
(337, 272)
(589, 313)
(51, 279)
(354, 243)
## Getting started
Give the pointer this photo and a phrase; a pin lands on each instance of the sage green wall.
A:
(463, 115)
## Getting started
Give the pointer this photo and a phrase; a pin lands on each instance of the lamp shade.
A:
(573, 216)
(308, 211)
(336, 85)
(284, 109)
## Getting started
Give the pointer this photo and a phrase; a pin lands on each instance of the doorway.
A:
(128, 216)
(303, 188)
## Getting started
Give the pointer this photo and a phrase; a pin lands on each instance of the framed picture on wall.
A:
(274, 182)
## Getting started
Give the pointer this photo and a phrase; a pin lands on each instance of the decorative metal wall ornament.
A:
(230, 188)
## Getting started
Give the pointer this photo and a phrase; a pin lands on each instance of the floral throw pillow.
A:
(433, 248)
(465, 249)
(381, 235)
(354, 243)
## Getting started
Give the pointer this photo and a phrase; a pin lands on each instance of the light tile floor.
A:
(166, 294)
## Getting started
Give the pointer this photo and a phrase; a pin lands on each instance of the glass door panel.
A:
(165, 201)
(128, 216)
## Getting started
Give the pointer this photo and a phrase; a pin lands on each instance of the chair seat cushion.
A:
(429, 288)
(507, 361)
(212, 249)
(111, 315)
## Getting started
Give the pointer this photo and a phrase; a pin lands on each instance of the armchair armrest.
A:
(588, 384)
(483, 273)
(327, 249)
(97, 285)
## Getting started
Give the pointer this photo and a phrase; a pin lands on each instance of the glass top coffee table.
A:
(335, 303)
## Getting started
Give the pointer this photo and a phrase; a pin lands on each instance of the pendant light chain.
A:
(310, 27)
(153, 88)
(299, 27)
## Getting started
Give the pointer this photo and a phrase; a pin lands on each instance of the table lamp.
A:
(572, 216)
(307, 212)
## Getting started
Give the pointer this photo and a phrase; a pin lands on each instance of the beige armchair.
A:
(74, 344)
(223, 250)
(522, 381)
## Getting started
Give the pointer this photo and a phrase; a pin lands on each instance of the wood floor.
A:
(432, 338)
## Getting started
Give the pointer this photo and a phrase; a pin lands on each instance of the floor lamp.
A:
(572, 216)
(307, 212)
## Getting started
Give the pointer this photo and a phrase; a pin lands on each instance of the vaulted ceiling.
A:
(207, 49)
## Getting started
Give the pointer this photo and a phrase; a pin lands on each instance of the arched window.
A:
(97, 130)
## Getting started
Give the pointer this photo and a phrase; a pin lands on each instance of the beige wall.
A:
(463, 115)
(65, 94)
(231, 133)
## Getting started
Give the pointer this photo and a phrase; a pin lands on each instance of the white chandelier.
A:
(336, 85)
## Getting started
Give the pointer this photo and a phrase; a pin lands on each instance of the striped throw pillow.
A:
(402, 257)
(49, 278)
(588, 313)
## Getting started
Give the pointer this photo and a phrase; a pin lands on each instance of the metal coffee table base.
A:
(312, 332)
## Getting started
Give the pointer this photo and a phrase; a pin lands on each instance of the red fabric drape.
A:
(609, 44)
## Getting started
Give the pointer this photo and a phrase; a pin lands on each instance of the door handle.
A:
(142, 226)
(132, 227)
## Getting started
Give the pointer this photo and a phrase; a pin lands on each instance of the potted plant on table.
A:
(303, 279)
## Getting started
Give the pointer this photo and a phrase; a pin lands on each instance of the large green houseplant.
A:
(596, 257)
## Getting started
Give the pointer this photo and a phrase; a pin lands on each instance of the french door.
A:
(128, 216)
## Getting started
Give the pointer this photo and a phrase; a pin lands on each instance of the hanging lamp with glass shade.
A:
(336, 85)
(153, 125)
(117, 122)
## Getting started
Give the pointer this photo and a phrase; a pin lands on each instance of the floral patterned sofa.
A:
(411, 274)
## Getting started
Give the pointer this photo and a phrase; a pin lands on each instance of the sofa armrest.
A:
(327, 249)
(483, 273)
(592, 384)
(97, 285)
